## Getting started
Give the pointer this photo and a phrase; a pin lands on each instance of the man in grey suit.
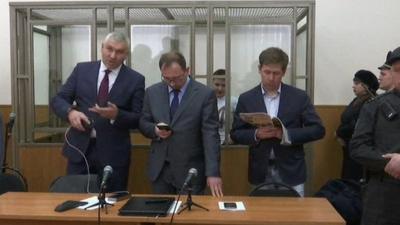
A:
(191, 139)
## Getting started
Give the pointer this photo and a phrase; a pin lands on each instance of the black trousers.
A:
(119, 178)
(351, 169)
(381, 202)
(166, 183)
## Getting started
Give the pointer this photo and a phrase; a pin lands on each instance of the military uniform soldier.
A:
(377, 134)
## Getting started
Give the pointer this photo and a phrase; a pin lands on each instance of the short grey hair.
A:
(117, 37)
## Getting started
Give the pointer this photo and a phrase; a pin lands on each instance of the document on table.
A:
(92, 201)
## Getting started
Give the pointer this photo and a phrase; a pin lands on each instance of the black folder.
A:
(147, 206)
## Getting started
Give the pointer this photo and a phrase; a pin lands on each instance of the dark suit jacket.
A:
(112, 140)
(302, 122)
(194, 141)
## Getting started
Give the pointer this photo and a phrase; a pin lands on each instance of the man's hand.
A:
(393, 166)
(76, 119)
(268, 132)
(162, 133)
(215, 184)
(109, 112)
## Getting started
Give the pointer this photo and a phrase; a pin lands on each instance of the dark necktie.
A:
(221, 115)
(102, 96)
(174, 103)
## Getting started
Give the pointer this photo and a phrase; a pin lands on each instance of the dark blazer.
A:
(195, 139)
(112, 140)
(302, 122)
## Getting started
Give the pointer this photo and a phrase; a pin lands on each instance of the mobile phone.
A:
(230, 205)
(86, 125)
(163, 127)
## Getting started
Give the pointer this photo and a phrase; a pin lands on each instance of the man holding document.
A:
(276, 145)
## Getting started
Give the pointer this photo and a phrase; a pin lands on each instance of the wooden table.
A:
(38, 208)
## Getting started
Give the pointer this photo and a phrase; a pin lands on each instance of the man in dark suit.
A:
(102, 101)
(276, 154)
(192, 141)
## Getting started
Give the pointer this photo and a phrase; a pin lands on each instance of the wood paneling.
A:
(41, 165)
(327, 153)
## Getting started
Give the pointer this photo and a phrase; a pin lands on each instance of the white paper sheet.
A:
(171, 209)
(91, 201)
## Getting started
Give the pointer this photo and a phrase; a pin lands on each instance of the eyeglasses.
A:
(173, 80)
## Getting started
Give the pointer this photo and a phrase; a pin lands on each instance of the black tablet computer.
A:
(147, 206)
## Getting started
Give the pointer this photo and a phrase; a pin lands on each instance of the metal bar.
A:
(93, 36)
(228, 84)
(294, 48)
(193, 44)
(210, 44)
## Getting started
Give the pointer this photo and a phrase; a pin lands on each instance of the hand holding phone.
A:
(163, 126)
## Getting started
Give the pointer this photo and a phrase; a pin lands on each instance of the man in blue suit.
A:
(276, 154)
(102, 101)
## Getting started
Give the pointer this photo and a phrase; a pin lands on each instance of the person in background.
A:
(219, 84)
(276, 154)
(189, 136)
(376, 145)
(365, 85)
(385, 76)
(102, 101)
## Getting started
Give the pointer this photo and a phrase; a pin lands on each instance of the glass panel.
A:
(149, 42)
(101, 34)
(301, 83)
(202, 80)
(41, 62)
(247, 42)
(219, 39)
(119, 20)
(102, 30)
(55, 54)
(201, 41)
(75, 47)
(302, 22)
(301, 54)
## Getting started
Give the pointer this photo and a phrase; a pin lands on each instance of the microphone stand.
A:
(102, 203)
(7, 135)
(189, 202)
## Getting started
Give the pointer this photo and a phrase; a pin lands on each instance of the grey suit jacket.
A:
(194, 142)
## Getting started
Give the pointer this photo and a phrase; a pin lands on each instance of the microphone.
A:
(192, 173)
(11, 120)
(108, 170)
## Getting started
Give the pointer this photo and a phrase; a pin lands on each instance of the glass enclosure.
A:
(225, 36)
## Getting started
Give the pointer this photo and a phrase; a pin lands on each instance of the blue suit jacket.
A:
(302, 122)
(113, 140)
